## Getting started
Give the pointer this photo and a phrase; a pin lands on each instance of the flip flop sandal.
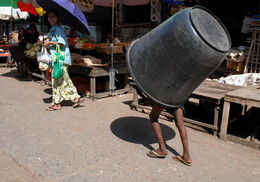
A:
(155, 154)
(77, 104)
(51, 108)
(180, 159)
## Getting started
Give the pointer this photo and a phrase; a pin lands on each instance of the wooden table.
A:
(213, 92)
(96, 72)
(249, 96)
(209, 91)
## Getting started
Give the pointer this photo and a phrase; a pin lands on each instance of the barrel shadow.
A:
(138, 130)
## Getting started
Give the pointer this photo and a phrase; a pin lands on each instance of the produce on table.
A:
(31, 53)
(89, 46)
(29, 45)
(32, 49)
(81, 43)
(37, 48)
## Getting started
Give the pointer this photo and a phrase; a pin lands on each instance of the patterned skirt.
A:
(63, 88)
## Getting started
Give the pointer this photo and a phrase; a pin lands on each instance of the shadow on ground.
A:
(138, 130)
(48, 100)
(15, 74)
(128, 103)
(65, 103)
(48, 91)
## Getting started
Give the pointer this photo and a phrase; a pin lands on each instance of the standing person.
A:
(110, 39)
(162, 151)
(62, 88)
(21, 35)
(31, 34)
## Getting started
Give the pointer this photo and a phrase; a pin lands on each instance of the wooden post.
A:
(224, 123)
(93, 86)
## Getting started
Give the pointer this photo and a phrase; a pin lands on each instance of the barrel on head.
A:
(172, 60)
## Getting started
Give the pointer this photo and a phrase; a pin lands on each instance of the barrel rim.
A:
(137, 83)
(218, 20)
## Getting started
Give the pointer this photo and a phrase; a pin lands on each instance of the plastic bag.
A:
(44, 66)
(43, 56)
(59, 57)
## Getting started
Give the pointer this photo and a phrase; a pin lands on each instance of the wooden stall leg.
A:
(224, 123)
(216, 118)
(8, 60)
(135, 98)
(125, 81)
(93, 87)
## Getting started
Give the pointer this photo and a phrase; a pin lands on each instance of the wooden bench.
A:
(248, 96)
(209, 91)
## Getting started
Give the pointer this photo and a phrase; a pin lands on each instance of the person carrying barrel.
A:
(162, 152)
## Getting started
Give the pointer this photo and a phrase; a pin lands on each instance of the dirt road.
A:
(103, 141)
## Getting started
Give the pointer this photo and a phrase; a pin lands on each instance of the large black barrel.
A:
(172, 60)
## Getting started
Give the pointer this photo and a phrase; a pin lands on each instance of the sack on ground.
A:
(59, 57)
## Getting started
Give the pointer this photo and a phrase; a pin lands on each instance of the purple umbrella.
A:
(69, 14)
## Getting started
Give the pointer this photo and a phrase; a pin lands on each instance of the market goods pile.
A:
(81, 43)
(32, 49)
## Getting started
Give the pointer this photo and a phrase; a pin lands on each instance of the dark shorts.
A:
(172, 110)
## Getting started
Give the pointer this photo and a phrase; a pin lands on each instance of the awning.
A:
(7, 12)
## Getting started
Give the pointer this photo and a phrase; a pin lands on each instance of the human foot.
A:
(54, 108)
(77, 102)
(182, 160)
(158, 153)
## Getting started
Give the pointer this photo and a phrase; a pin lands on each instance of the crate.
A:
(236, 60)
(106, 49)
(235, 65)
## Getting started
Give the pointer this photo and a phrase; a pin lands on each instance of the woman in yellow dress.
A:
(62, 88)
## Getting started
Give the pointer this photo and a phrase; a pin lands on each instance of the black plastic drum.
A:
(172, 60)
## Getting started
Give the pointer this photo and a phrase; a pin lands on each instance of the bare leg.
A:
(183, 134)
(154, 115)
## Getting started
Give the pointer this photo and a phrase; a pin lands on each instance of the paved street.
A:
(104, 141)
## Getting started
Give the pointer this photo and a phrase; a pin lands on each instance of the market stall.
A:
(89, 60)
(111, 66)
(94, 61)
